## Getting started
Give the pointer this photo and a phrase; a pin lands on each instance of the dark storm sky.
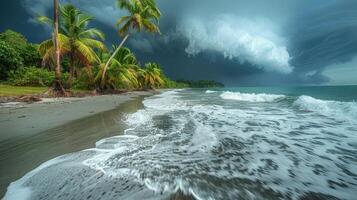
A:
(238, 42)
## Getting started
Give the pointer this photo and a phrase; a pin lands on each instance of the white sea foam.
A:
(17, 189)
(337, 109)
(210, 91)
(174, 144)
(166, 101)
(251, 97)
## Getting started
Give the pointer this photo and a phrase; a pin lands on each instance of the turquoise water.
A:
(338, 93)
(230, 143)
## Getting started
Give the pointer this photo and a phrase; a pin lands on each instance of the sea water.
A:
(231, 143)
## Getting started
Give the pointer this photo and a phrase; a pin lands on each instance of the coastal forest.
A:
(76, 56)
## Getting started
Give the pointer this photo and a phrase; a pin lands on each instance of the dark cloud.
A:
(237, 42)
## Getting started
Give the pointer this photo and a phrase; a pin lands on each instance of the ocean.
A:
(228, 143)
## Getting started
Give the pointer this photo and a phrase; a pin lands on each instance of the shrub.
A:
(84, 80)
(9, 60)
(32, 76)
(27, 51)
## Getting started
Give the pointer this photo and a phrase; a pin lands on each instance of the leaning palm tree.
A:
(121, 73)
(143, 14)
(76, 40)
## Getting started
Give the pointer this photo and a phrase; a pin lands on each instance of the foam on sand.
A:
(212, 151)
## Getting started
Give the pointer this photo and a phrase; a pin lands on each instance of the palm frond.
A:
(84, 19)
(125, 28)
(45, 20)
(86, 52)
(93, 43)
(92, 33)
(45, 46)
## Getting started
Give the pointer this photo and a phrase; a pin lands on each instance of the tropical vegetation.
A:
(142, 15)
(202, 83)
(16, 52)
(76, 57)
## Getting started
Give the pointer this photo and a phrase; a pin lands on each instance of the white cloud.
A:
(238, 39)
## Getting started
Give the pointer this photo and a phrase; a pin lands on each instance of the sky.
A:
(237, 42)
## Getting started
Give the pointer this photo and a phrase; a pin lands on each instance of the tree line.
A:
(76, 56)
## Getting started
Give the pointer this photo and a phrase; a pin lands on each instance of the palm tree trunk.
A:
(57, 86)
(110, 59)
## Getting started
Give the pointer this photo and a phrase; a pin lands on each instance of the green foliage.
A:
(10, 59)
(202, 84)
(27, 51)
(125, 56)
(152, 76)
(173, 84)
(84, 54)
(14, 38)
(143, 15)
(32, 76)
(122, 73)
(31, 56)
(77, 41)
(84, 80)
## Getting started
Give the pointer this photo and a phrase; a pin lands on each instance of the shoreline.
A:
(37, 132)
(33, 98)
(20, 118)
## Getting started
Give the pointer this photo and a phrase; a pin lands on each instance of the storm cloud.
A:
(239, 42)
(243, 41)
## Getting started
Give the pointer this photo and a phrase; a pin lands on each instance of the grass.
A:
(8, 90)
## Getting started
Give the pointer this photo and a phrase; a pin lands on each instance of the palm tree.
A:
(122, 72)
(125, 56)
(57, 85)
(76, 40)
(142, 16)
(153, 76)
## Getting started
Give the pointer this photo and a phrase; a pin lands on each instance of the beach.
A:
(34, 133)
(246, 143)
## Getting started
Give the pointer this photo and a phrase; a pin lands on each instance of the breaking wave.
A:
(210, 91)
(251, 97)
(211, 150)
(336, 109)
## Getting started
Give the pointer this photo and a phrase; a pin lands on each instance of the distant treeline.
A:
(201, 83)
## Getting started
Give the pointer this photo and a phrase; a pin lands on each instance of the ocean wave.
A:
(209, 151)
(166, 101)
(251, 97)
(341, 110)
(210, 91)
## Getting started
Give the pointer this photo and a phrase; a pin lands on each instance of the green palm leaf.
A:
(87, 52)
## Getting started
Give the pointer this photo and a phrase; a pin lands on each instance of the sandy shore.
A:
(18, 119)
(34, 133)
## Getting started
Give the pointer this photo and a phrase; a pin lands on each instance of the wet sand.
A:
(34, 133)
